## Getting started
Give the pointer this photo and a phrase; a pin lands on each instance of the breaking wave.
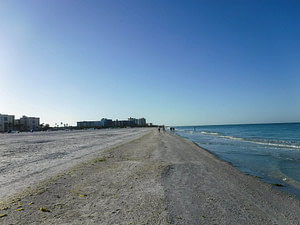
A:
(266, 142)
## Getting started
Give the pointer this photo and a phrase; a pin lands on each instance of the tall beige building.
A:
(6, 122)
(29, 123)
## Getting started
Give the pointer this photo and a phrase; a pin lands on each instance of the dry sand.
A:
(156, 179)
(29, 157)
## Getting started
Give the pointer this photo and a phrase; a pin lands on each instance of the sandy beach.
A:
(154, 178)
(30, 157)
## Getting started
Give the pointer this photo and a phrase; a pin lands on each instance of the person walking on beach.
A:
(159, 129)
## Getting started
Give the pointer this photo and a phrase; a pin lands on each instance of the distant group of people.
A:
(163, 128)
(172, 129)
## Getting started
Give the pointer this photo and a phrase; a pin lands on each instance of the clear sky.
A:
(172, 62)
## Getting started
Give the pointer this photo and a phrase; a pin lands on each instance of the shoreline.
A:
(260, 151)
(276, 183)
(158, 178)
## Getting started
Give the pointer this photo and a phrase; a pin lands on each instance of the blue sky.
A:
(172, 62)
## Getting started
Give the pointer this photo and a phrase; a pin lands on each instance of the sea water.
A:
(270, 152)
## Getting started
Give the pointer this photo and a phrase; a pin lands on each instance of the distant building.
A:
(122, 123)
(6, 122)
(137, 122)
(106, 122)
(95, 124)
(28, 123)
(89, 124)
(141, 122)
(17, 124)
(133, 121)
(103, 123)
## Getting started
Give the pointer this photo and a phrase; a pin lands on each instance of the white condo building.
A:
(29, 123)
(6, 122)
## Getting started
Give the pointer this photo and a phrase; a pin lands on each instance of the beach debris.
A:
(278, 185)
(99, 160)
(115, 196)
(20, 209)
(83, 195)
(41, 191)
(15, 200)
(116, 211)
(60, 206)
(44, 209)
(3, 215)
(30, 203)
(4, 208)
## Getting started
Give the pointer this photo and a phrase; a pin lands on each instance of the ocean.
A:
(270, 152)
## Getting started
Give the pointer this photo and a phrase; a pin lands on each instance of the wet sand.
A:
(158, 178)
